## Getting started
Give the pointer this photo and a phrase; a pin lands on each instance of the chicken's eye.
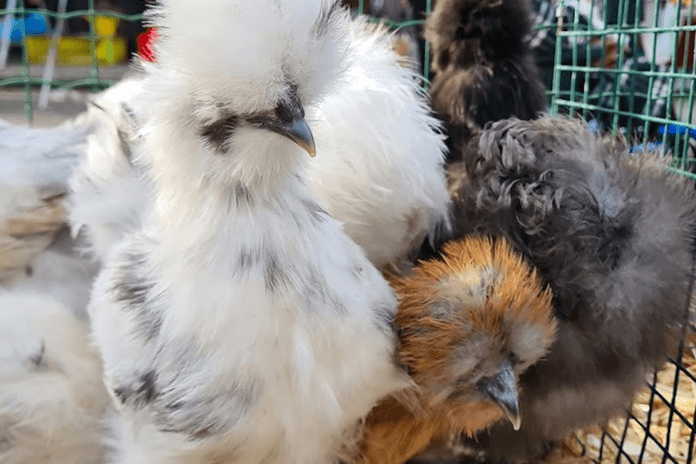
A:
(284, 113)
(288, 112)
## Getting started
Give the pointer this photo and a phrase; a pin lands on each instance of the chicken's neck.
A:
(250, 198)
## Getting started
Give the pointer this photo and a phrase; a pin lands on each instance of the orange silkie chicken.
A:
(469, 324)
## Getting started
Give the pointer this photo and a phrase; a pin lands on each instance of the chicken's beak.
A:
(299, 132)
(296, 130)
(502, 389)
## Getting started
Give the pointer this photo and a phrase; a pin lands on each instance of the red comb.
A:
(146, 41)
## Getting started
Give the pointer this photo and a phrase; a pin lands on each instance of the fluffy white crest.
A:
(246, 67)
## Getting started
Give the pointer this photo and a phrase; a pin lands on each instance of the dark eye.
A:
(283, 113)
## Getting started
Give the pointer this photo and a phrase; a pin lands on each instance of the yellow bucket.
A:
(105, 26)
(76, 51)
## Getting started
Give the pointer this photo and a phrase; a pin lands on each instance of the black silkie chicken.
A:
(483, 68)
(612, 234)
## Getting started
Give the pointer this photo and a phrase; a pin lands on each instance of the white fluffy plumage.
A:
(380, 170)
(52, 399)
(36, 164)
(240, 323)
(42, 157)
(109, 194)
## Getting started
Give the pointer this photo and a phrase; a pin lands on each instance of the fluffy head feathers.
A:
(461, 316)
(581, 208)
(380, 152)
(228, 93)
(484, 70)
(300, 43)
(469, 32)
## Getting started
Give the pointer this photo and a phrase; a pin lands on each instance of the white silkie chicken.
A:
(52, 397)
(240, 323)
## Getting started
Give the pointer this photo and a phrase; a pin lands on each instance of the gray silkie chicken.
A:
(483, 67)
(612, 234)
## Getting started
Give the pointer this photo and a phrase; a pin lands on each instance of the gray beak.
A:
(299, 132)
(502, 390)
(289, 122)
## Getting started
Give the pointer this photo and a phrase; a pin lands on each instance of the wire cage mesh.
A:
(627, 66)
(14, 20)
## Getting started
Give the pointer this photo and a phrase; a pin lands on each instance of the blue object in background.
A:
(35, 24)
(674, 129)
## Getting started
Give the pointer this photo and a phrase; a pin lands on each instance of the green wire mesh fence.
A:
(631, 72)
(89, 76)
(623, 65)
